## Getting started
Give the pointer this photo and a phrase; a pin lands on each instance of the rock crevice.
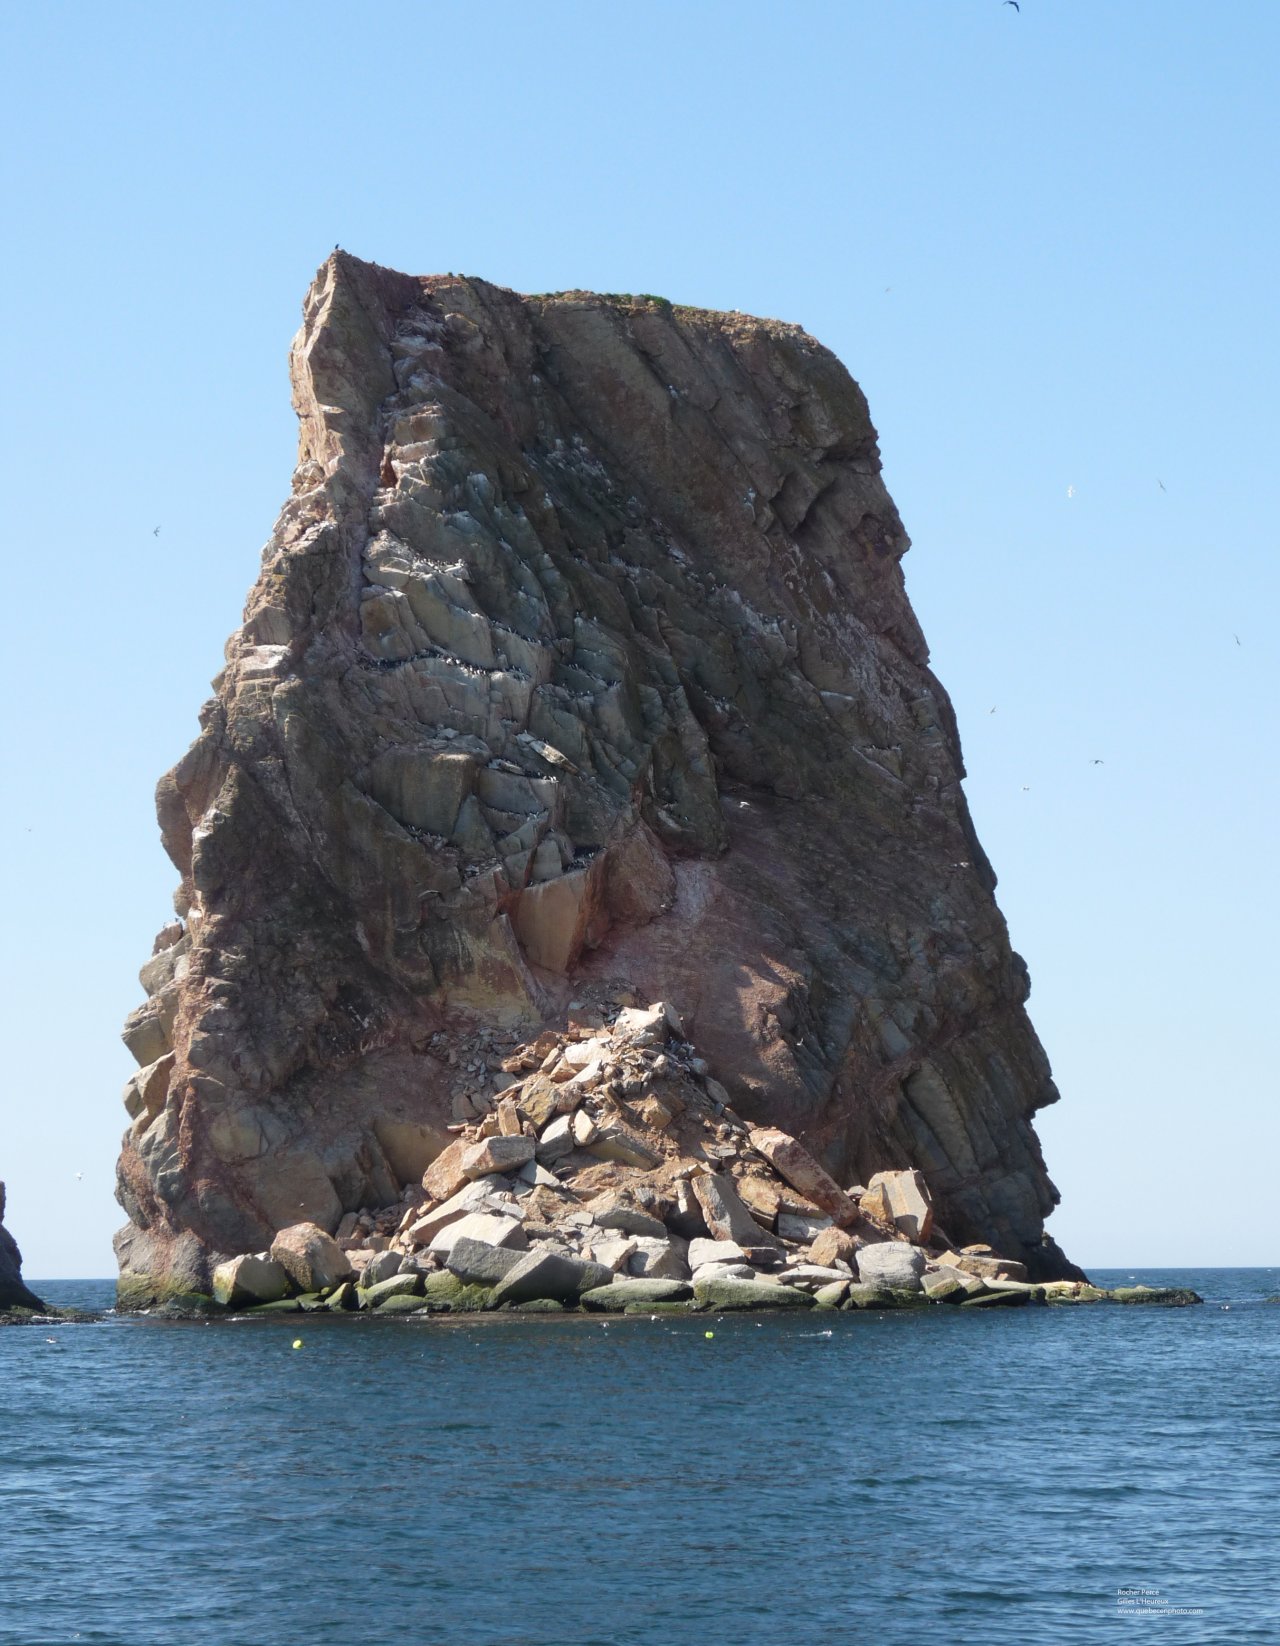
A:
(580, 653)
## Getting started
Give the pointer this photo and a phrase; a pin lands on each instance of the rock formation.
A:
(579, 671)
(13, 1293)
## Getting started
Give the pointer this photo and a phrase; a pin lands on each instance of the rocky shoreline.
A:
(610, 1174)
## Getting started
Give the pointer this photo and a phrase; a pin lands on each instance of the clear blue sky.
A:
(1044, 242)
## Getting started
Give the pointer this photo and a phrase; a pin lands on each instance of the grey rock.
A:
(892, 1263)
(253, 1278)
(627, 1293)
(730, 1293)
(480, 1264)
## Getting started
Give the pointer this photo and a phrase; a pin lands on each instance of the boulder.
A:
(313, 1259)
(892, 1263)
(910, 1208)
(382, 1266)
(725, 1215)
(401, 1285)
(716, 1271)
(612, 1140)
(728, 1292)
(806, 1229)
(539, 1100)
(490, 1228)
(445, 1176)
(658, 1259)
(252, 1278)
(811, 1275)
(496, 1154)
(874, 1203)
(617, 1211)
(479, 1264)
(613, 1250)
(833, 1245)
(714, 1251)
(792, 1161)
(541, 1273)
(556, 1140)
(832, 1295)
(486, 1194)
(642, 1026)
(627, 1293)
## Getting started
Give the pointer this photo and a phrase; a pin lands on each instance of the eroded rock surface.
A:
(579, 673)
(14, 1293)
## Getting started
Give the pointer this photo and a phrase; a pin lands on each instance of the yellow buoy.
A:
(708, 1334)
(297, 1342)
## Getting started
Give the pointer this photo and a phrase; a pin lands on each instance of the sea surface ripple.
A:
(987, 1476)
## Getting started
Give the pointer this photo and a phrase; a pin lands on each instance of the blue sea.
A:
(1032, 1476)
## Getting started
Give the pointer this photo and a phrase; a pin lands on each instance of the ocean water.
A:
(1027, 1476)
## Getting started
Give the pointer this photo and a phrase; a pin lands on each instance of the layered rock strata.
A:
(14, 1293)
(580, 658)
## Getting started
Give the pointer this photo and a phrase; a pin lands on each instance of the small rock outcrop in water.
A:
(13, 1293)
(580, 660)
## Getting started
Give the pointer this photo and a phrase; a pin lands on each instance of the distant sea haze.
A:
(1027, 1476)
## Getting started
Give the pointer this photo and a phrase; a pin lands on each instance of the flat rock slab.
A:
(731, 1293)
(725, 1214)
(622, 1294)
(489, 1228)
(497, 1154)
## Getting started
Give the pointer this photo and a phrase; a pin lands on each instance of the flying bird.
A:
(993, 708)
(1071, 491)
(156, 533)
(1236, 638)
(1015, 5)
(1161, 484)
(1026, 788)
(1097, 762)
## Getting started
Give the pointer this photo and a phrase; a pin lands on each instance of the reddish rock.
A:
(794, 1162)
(580, 653)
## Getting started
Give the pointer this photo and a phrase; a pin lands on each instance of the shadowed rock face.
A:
(579, 654)
(13, 1293)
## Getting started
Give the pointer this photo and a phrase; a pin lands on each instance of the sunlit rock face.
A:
(580, 656)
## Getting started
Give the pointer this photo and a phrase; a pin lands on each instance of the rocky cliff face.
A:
(579, 668)
(13, 1293)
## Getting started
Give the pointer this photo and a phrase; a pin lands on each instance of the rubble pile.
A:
(607, 1170)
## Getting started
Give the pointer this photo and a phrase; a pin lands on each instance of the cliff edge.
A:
(579, 671)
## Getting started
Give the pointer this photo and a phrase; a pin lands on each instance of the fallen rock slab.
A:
(792, 1161)
(907, 1197)
(725, 1215)
(497, 1154)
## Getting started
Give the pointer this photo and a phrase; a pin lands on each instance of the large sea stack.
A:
(579, 672)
